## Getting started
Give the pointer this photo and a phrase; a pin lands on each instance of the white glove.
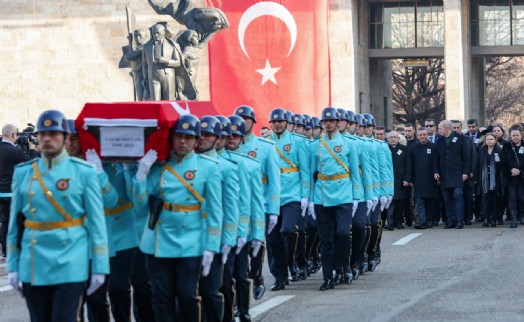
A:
(145, 164)
(207, 259)
(383, 202)
(375, 203)
(12, 277)
(390, 199)
(97, 280)
(355, 206)
(93, 158)
(241, 241)
(273, 220)
(311, 208)
(303, 205)
(225, 252)
(256, 244)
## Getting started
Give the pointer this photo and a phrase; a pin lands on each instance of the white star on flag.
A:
(268, 73)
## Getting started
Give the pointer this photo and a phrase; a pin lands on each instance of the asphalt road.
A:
(474, 274)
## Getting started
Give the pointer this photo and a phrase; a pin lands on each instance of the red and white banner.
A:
(274, 54)
(129, 129)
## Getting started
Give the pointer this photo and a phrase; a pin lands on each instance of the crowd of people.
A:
(184, 238)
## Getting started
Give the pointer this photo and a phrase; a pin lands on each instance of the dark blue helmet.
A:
(352, 118)
(210, 124)
(291, 117)
(299, 120)
(52, 120)
(226, 125)
(316, 122)
(370, 119)
(187, 124)
(329, 113)
(245, 110)
(309, 122)
(278, 114)
(238, 125)
(71, 126)
(361, 120)
(343, 114)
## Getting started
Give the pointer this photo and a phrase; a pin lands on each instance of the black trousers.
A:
(120, 284)
(175, 279)
(209, 288)
(5, 207)
(228, 288)
(142, 306)
(334, 227)
(312, 240)
(358, 232)
(490, 205)
(242, 283)
(256, 263)
(97, 304)
(515, 197)
(54, 303)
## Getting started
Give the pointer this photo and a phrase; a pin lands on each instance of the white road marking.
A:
(269, 304)
(407, 239)
(5, 288)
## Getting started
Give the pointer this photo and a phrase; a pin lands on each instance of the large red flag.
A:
(274, 54)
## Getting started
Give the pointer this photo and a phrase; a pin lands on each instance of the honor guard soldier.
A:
(335, 161)
(386, 195)
(264, 151)
(56, 225)
(187, 191)
(300, 124)
(209, 286)
(256, 224)
(291, 121)
(317, 128)
(367, 163)
(294, 174)
(309, 127)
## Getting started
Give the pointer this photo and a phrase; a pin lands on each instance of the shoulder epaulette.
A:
(266, 141)
(227, 160)
(25, 163)
(205, 157)
(81, 161)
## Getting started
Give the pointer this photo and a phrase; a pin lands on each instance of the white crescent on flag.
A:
(179, 109)
(267, 9)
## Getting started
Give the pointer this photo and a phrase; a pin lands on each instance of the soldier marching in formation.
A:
(189, 234)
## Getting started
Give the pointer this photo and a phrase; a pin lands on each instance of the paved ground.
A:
(474, 274)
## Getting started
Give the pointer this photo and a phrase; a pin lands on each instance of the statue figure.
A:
(160, 57)
(134, 57)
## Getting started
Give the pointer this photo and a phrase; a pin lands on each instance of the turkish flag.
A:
(274, 54)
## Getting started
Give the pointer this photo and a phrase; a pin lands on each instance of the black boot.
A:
(485, 223)
(513, 219)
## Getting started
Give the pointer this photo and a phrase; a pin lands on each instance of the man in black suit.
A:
(473, 131)
(10, 156)
(401, 181)
(452, 168)
(425, 186)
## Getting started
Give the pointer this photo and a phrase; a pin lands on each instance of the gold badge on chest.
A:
(62, 184)
(287, 147)
(189, 175)
(252, 154)
(337, 149)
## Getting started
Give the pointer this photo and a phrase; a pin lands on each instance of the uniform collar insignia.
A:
(54, 162)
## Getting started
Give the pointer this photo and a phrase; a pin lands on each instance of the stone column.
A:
(457, 58)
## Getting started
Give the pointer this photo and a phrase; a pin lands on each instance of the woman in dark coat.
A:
(488, 178)
(513, 167)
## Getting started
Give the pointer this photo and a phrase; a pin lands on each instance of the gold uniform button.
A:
(34, 177)
(32, 193)
(49, 193)
(164, 182)
(33, 210)
(33, 241)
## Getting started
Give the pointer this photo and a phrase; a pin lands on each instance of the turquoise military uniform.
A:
(230, 197)
(257, 222)
(293, 161)
(121, 214)
(244, 203)
(335, 185)
(56, 247)
(375, 163)
(365, 166)
(264, 151)
(179, 231)
(110, 200)
(386, 168)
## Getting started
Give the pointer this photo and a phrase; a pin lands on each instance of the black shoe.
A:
(485, 223)
(448, 226)
(460, 225)
(258, 291)
(467, 222)
(435, 224)
(348, 278)
(355, 272)
(327, 285)
(430, 224)
(286, 282)
(373, 264)
(421, 226)
(279, 285)
(237, 312)
(338, 279)
(303, 273)
(493, 223)
(363, 267)
(501, 222)
(400, 226)
(245, 318)
(390, 228)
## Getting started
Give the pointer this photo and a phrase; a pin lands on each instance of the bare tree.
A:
(418, 92)
(504, 90)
